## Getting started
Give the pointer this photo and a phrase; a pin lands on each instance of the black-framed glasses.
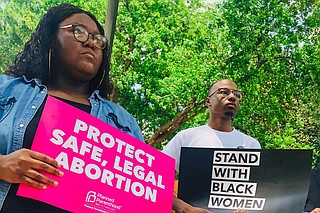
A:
(225, 92)
(81, 34)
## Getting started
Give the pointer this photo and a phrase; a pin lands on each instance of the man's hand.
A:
(316, 210)
(240, 211)
(23, 166)
(179, 206)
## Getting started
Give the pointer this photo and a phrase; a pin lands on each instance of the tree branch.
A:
(166, 130)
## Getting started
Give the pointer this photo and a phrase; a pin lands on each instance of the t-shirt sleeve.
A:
(256, 144)
(173, 149)
(252, 143)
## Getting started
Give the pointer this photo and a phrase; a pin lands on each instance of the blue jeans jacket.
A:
(19, 101)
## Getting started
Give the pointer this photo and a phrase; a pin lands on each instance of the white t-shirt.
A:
(206, 137)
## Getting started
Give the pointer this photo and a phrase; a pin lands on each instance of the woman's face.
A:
(72, 59)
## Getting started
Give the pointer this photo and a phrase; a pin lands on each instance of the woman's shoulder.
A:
(114, 106)
(10, 79)
(114, 109)
(121, 118)
(4, 78)
(8, 82)
(20, 82)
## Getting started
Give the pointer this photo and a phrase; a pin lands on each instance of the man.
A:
(223, 103)
(313, 199)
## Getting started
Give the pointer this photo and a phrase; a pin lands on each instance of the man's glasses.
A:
(82, 35)
(225, 92)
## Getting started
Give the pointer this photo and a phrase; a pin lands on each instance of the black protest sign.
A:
(267, 181)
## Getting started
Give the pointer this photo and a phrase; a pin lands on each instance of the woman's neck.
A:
(76, 95)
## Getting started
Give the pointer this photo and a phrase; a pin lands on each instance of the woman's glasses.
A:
(82, 35)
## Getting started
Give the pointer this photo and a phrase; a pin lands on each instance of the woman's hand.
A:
(23, 166)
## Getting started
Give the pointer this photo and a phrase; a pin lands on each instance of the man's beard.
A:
(229, 114)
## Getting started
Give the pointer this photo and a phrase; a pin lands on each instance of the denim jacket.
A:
(21, 98)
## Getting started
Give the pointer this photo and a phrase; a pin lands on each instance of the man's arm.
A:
(316, 210)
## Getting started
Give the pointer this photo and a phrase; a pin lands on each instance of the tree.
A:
(19, 18)
(166, 54)
(271, 40)
(161, 62)
(16, 26)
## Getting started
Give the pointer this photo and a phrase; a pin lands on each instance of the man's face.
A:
(224, 99)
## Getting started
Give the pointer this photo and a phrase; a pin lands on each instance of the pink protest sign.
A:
(105, 170)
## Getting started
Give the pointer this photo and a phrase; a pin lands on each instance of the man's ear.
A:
(208, 101)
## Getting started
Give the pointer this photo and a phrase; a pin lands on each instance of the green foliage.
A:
(166, 54)
(19, 18)
(165, 51)
(278, 70)
(15, 27)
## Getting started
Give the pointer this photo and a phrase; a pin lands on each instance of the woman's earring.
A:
(104, 73)
(49, 62)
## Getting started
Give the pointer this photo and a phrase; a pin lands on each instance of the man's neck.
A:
(223, 125)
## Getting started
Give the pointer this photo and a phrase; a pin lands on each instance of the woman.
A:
(66, 57)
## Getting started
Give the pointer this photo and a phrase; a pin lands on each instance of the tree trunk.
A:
(166, 130)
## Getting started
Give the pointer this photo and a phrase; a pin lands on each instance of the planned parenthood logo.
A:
(91, 197)
(100, 203)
